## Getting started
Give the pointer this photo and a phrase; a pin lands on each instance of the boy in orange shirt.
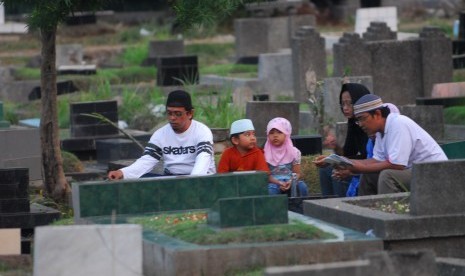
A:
(244, 155)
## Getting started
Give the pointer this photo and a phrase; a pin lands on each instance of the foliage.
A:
(128, 74)
(231, 69)
(454, 115)
(191, 227)
(216, 108)
(25, 73)
(310, 174)
(71, 162)
(134, 55)
(211, 53)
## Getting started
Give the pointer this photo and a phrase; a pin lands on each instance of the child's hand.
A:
(340, 173)
(284, 186)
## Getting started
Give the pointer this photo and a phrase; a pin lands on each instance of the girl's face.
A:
(276, 137)
(347, 106)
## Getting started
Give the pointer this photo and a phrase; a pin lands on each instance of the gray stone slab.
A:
(275, 74)
(437, 188)
(166, 48)
(450, 266)
(262, 112)
(88, 250)
(379, 31)
(69, 54)
(403, 263)
(352, 268)
(351, 56)
(429, 117)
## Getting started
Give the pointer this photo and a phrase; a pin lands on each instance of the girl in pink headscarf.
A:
(283, 159)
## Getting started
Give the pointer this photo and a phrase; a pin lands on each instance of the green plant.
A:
(454, 115)
(71, 163)
(229, 69)
(134, 55)
(211, 53)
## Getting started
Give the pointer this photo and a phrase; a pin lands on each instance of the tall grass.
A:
(134, 55)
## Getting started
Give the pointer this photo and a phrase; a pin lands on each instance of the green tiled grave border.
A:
(101, 198)
(455, 150)
(247, 211)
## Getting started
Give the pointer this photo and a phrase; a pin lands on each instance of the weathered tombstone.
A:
(448, 89)
(429, 117)
(88, 250)
(160, 48)
(365, 16)
(69, 60)
(20, 147)
(177, 70)
(308, 58)
(275, 72)
(379, 31)
(351, 56)
(436, 51)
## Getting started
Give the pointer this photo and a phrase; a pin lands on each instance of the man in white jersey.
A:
(185, 145)
(400, 142)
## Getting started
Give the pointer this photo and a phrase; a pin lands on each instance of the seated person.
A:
(283, 160)
(185, 145)
(244, 154)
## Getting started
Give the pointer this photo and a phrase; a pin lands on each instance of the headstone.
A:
(437, 188)
(429, 117)
(88, 250)
(308, 144)
(2, 14)
(85, 126)
(396, 70)
(448, 89)
(63, 87)
(10, 239)
(379, 31)
(160, 48)
(436, 50)
(275, 72)
(81, 18)
(262, 112)
(69, 54)
(351, 56)
(117, 149)
(308, 58)
(365, 16)
(20, 147)
(177, 70)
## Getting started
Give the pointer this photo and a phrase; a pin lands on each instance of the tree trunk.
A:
(52, 163)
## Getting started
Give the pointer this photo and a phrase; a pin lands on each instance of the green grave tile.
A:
(169, 200)
(207, 192)
(130, 198)
(226, 185)
(88, 200)
(236, 212)
(187, 191)
(253, 184)
(270, 209)
(150, 197)
(103, 201)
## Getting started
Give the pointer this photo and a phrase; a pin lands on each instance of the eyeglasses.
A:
(175, 113)
(343, 104)
(360, 120)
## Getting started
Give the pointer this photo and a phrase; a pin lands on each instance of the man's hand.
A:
(319, 161)
(114, 175)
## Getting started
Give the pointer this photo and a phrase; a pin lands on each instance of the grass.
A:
(454, 115)
(231, 70)
(192, 228)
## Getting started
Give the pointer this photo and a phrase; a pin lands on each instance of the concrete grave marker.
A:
(365, 16)
(88, 250)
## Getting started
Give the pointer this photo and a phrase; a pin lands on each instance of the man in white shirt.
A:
(185, 145)
(399, 143)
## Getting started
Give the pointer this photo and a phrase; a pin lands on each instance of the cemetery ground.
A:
(119, 51)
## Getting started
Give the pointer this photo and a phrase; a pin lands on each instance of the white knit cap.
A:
(240, 126)
(367, 103)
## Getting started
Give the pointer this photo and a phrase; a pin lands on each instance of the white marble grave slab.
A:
(10, 241)
(88, 250)
(365, 16)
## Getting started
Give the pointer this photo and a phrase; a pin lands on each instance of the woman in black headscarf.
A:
(355, 142)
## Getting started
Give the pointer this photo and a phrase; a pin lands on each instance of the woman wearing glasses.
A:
(354, 146)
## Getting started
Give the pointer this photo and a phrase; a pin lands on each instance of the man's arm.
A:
(203, 158)
(372, 165)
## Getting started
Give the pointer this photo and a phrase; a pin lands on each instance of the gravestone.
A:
(88, 250)
(448, 89)
(365, 16)
(275, 73)
(177, 70)
(379, 31)
(117, 149)
(81, 18)
(2, 13)
(308, 59)
(262, 112)
(436, 50)
(10, 27)
(15, 209)
(20, 147)
(63, 87)
(308, 144)
(351, 56)
(160, 48)
(429, 117)
(69, 60)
